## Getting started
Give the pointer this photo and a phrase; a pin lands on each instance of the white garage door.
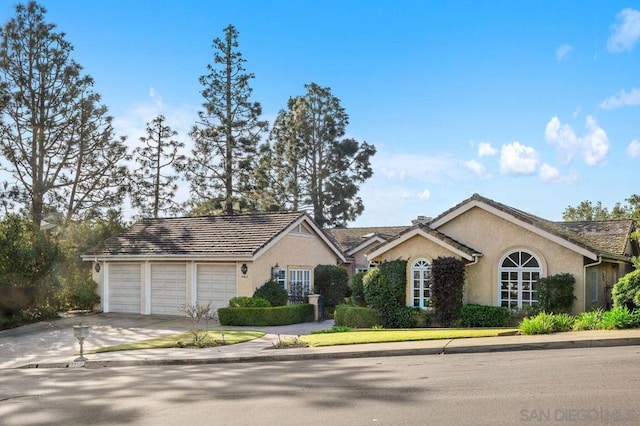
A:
(124, 287)
(216, 284)
(168, 288)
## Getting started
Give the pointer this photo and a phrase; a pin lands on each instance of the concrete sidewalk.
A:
(51, 344)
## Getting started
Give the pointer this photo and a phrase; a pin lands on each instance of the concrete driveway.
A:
(35, 343)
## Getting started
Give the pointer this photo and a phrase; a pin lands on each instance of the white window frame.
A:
(420, 285)
(517, 281)
(280, 276)
(300, 275)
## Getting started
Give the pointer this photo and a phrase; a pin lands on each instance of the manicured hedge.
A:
(484, 316)
(355, 316)
(277, 315)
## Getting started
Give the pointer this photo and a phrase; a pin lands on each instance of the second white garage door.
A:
(168, 288)
(216, 283)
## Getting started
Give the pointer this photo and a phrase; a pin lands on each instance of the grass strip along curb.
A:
(212, 338)
(403, 335)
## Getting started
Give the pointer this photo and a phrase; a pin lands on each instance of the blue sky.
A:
(533, 104)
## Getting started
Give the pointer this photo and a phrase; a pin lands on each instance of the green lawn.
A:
(382, 336)
(180, 340)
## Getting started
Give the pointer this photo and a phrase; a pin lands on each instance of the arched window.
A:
(518, 273)
(420, 273)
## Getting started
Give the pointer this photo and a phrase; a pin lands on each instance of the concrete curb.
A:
(323, 354)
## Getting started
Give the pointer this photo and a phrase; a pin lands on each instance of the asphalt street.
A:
(572, 386)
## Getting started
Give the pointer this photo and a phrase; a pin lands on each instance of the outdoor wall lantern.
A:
(81, 332)
(275, 271)
(96, 267)
(244, 269)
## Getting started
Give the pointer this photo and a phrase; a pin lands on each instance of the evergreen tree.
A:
(227, 133)
(313, 165)
(56, 139)
(586, 211)
(154, 182)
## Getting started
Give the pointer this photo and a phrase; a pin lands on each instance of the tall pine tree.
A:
(313, 165)
(154, 182)
(227, 133)
(57, 140)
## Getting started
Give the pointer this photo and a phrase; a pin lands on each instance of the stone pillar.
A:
(313, 299)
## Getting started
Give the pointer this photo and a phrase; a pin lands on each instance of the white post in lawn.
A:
(313, 299)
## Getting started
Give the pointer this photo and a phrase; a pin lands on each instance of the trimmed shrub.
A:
(555, 293)
(332, 282)
(626, 292)
(588, 320)
(248, 302)
(273, 292)
(447, 280)
(357, 289)
(82, 295)
(277, 315)
(563, 322)
(473, 315)
(420, 318)
(618, 318)
(545, 323)
(355, 316)
(540, 324)
(384, 289)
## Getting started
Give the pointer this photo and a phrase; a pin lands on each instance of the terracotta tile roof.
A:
(348, 238)
(238, 235)
(609, 236)
(595, 240)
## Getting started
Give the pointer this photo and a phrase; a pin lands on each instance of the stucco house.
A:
(355, 243)
(506, 250)
(158, 265)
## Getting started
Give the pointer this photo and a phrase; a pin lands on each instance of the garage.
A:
(216, 283)
(168, 288)
(124, 287)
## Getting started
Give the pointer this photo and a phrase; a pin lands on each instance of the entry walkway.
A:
(52, 344)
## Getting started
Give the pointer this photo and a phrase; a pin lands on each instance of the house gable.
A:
(303, 227)
(546, 229)
(432, 236)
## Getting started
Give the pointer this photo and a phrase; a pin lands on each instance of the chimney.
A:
(421, 220)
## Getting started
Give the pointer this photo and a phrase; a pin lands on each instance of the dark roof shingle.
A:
(608, 238)
(238, 235)
(349, 238)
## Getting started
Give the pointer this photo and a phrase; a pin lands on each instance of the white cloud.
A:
(634, 149)
(625, 32)
(563, 52)
(418, 167)
(425, 195)
(595, 143)
(518, 159)
(132, 123)
(623, 98)
(407, 194)
(477, 169)
(486, 150)
(549, 173)
(593, 147)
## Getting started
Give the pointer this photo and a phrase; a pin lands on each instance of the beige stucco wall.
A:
(495, 237)
(293, 251)
(416, 247)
